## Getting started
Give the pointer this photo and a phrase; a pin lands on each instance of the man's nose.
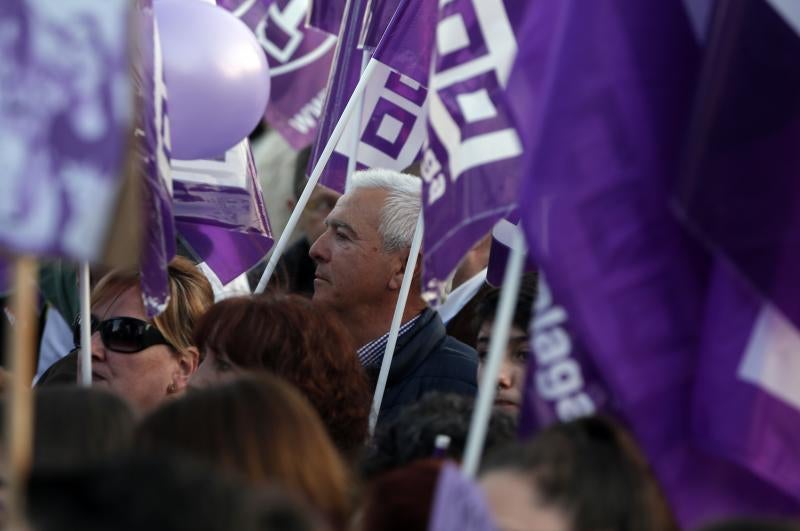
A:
(319, 249)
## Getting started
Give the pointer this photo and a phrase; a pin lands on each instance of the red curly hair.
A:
(301, 343)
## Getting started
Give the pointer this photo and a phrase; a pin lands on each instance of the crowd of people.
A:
(252, 413)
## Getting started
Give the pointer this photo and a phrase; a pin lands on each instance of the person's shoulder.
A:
(452, 358)
(453, 347)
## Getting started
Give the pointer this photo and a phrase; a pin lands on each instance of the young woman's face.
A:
(216, 368)
(511, 379)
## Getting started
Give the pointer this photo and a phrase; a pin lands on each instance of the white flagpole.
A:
(283, 241)
(394, 330)
(487, 387)
(85, 376)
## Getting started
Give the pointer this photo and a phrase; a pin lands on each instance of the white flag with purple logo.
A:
(471, 159)
(66, 118)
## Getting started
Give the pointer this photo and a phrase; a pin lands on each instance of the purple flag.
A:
(326, 15)
(153, 152)
(742, 190)
(459, 504)
(379, 14)
(470, 163)
(561, 382)
(219, 211)
(749, 356)
(392, 127)
(345, 72)
(408, 42)
(66, 117)
(299, 58)
(503, 234)
(602, 154)
(741, 194)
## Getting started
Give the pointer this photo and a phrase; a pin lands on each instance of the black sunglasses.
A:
(122, 334)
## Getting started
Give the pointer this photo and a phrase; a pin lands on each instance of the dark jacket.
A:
(427, 359)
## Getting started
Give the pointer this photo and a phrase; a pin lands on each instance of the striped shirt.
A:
(371, 354)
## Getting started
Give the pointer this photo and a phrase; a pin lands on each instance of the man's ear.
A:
(399, 262)
(188, 361)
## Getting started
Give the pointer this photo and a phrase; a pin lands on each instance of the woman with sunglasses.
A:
(145, 361)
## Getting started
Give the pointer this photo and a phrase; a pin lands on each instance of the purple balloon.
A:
(216, 75)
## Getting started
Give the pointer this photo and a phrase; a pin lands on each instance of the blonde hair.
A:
(190, 295)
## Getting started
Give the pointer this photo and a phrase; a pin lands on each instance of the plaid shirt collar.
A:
(371, 354)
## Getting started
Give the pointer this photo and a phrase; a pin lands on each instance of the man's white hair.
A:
(401, 208)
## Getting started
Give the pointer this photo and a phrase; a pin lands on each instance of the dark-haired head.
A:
(402, 499)
(412, 434)
(587, 474)
(289, 336)
(150, 492)
(511, 378)
(77, 426)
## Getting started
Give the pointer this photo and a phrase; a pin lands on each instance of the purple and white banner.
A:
(749, 355)
(299, 59)
(326, 15)
(740, 193)
(603, 150)
(391, 131)
(152, 145)
(219, 211)
(744, 162)
(471, 160)
(344, 76)
(379, 15)
(66, 117)
(561, 382)
(392, 125)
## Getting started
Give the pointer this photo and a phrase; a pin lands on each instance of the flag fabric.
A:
(459, 504)
(326, 15)
(740, 194)
(742, 191)
(503, 234)
(379, 14)
(152, 146)
(344, 76)
(219, 211)
(299, 59)
(471, 157)
(748, 356)
(603, 149)
(561, 381)
(66, 120)
(391, 130)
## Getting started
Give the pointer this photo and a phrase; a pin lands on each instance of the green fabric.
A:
(58, 284)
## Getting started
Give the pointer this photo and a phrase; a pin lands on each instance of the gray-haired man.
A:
(361, 258)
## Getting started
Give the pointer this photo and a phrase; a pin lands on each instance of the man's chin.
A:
(321, 290)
